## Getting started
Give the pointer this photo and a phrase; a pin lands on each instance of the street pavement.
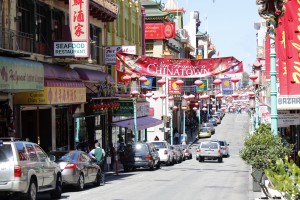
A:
(241, 119)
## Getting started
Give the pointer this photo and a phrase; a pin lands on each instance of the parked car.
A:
(163, 151)
(78, 168)
(140, 155)
(210, 150)
(224, 147)
(213, 121)
(212, 127)
(176, 154)
(217, 118)
(187, 152)
(181, 153)
(204, 132)
(26, 169)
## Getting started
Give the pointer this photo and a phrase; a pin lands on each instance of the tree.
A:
(262, 149)
(285, 177)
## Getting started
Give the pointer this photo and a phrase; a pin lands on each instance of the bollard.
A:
(116, 157)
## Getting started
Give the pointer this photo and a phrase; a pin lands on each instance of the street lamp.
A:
(184, 108)
(134, 93)
(271, 11)
(251, 106)
(171, 108)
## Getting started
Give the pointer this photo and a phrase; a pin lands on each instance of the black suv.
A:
(140, 155)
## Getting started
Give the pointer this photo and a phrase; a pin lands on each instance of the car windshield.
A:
(209, 145)
(204, 129)
(159, 145)
(5, 152)
(184, 146)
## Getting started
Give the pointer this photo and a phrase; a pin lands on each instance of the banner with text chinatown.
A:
(180, 68)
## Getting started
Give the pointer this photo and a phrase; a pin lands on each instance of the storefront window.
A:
(80, 132)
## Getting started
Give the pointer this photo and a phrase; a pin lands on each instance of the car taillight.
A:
(198, 150)
(186, 151)
(70, 166)
(17, 171)
(165, 152)
(173, 152)
(148, 157)
(219, 151)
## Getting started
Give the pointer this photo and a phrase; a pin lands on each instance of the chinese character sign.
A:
(79, 19)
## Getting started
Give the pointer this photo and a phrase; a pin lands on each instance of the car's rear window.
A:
(204, 129)
(141, 148)
(63, 156)
(209, 145)
(222, 143)
(6, 153)
(159, 145)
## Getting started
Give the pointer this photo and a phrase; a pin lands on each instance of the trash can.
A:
(257, 173)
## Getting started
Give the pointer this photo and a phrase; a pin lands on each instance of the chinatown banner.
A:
(179, 68)
(227, 86)
(288, 49)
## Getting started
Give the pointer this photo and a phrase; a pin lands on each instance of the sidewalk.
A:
(109, 172)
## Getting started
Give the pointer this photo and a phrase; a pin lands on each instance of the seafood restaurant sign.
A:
(184, 68)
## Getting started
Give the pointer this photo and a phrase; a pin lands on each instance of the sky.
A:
(230, 25)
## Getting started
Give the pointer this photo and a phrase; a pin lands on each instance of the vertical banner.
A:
(173, 88)
(79, 24)
(120, 77)
(267, 56)
(292, 47)
(280, 42)
(227, 88)
(203, 87)
(148, 83)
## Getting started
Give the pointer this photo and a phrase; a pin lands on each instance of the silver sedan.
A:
(77, 168)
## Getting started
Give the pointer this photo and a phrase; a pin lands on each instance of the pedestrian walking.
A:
(176, 136)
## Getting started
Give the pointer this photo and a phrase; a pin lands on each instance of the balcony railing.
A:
(16, 40)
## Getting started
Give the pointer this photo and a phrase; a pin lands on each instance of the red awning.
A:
(93, 75)
(142, 123)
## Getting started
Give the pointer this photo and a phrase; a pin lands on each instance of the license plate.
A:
(137, 158)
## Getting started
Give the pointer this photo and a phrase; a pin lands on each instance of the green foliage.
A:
(262, 148)
(285, 177)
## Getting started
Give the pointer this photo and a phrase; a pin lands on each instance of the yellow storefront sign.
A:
(52, 95)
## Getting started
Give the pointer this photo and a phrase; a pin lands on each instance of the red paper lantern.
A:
(148, 95)
(143, 79)
(253, 77)
(235, 80)
(126, 78)
(204, 109)
(155, 97)
(204, 97)
(219, 96)
(235, 95)
(134, 93)
(198, 83)
(161, 82)
(175, 108)
(171, 98)
(196, 104)
(195, 108)
(217, 81)
(184, 108)
(179, 82)
(251, 94)
(163, 96)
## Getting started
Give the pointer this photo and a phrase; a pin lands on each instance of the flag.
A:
(148, 83)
